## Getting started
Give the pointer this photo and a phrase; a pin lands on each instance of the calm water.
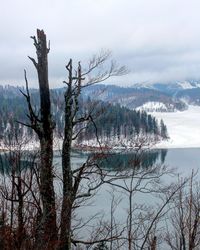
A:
(184, 160)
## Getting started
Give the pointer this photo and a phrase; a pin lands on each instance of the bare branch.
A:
(33, 61)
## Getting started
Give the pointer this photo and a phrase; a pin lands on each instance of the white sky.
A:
(158, 40)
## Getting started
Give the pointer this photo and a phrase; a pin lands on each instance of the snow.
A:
(186, 85)
(24, 145)
(183, 128)
(155, 107)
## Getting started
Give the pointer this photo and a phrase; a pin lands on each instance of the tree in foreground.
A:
(183, 226)
(43, 125)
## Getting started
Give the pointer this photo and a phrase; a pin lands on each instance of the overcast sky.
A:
(158, 40)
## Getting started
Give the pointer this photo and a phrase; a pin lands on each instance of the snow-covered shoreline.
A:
(183, 128)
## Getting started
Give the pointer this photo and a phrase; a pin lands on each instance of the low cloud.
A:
(157, 40)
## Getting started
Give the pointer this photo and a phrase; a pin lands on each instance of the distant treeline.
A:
(119, 121)
(106, 119)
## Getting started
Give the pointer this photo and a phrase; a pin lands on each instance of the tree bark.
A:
(68, 199)
(44, 128)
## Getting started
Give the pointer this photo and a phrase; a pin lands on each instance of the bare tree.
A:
(141, 228)
(43, 125)
(184, 221)
(77, 80)
(19, 194)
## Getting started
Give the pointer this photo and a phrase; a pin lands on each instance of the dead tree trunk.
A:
(70, 187)
(43, 126)
(66, 214)
(70, 182)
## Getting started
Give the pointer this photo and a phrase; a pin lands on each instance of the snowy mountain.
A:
(187, 91)
(134, 97)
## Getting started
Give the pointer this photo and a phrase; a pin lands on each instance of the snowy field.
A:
(183, 128)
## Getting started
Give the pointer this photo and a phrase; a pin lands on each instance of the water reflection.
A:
(112, 161)
(142, 159)
(16, 161)
(163, 154)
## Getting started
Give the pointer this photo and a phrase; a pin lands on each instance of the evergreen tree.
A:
(163, 129)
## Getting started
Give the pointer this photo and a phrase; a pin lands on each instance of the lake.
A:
(183, 160)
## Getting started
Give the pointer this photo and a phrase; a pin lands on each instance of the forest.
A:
(111, 120)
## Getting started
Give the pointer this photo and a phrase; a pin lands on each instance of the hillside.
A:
(112, 120)
(134, 97)
(187, 91)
